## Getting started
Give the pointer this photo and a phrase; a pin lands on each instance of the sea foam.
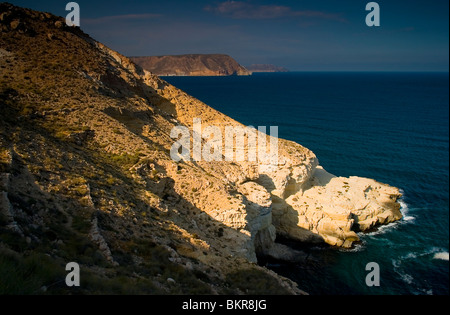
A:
(404, 209)
(441, 256)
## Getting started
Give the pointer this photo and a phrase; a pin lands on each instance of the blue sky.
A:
(321, 35)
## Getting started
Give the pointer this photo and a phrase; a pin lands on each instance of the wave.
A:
(407, 218)
(439, 253)
(358, 247)
(441, 256)
(409, 279)
(404, 209)
(380, 230)
(403, 275)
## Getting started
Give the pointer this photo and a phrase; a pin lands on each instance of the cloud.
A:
(244, 10)
(120, 18)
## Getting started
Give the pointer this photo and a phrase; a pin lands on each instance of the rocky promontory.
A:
(266, 68)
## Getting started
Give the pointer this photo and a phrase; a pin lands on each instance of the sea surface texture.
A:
(392, 127)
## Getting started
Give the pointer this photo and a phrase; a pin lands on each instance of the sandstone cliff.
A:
(86, 176)
(191, 65)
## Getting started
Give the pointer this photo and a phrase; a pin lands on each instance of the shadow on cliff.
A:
(140, 122)
(135, 122)
(116, 87)
(286, 219)
(67, 220)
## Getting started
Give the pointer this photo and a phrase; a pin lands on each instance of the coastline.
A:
(345, 151)
(105, 190)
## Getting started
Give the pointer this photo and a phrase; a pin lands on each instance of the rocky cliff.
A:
(87, 176)
(191, 65)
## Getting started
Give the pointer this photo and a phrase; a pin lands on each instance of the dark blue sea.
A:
(393, 127)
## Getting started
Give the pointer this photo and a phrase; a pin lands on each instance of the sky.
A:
(301, 35)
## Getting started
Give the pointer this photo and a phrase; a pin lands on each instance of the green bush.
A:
(124, 160)
(81, 224)
(27, 275)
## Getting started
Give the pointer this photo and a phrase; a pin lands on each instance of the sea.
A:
(392, 127)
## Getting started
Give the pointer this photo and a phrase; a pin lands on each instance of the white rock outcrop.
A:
(333, 209)
(98, 239)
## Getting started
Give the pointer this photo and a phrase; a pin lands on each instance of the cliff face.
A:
(86, 176)
(191, 65)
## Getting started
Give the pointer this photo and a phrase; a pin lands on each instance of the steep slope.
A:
(192, 65)
(86, 175)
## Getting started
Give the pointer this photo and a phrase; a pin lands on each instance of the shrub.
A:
(27, 275)
(255, 282)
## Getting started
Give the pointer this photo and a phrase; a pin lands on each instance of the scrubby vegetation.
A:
(85, 176)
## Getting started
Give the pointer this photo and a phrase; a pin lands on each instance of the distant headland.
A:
(266, 68)
(191, 65)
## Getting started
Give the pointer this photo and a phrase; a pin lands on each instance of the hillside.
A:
(191, 65)
(86, 175)
(266, 68)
